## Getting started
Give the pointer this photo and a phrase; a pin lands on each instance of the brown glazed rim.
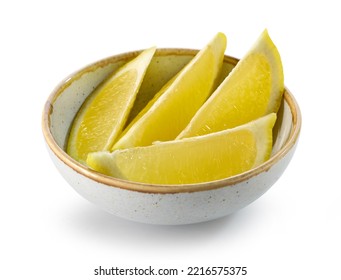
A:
(155, 188)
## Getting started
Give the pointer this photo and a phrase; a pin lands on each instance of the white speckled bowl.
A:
(160, 204)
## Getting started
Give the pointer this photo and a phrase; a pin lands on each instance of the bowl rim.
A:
(158, 188)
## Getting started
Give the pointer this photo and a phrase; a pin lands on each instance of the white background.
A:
(49, 232)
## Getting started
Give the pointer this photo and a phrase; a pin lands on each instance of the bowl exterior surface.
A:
(173, 208)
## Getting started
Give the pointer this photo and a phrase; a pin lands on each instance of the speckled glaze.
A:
(160, 204)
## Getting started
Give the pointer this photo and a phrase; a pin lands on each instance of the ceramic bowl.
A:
(160, 204)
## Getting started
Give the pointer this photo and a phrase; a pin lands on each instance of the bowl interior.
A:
(67, 98)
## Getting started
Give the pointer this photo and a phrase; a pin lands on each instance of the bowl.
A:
(150, 203)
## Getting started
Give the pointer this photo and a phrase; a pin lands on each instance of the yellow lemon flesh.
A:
(104, 113)
(192, 160)
(253, 89)
(168, 113)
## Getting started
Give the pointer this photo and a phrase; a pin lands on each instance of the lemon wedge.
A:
(192, 160)
(253, 89)
(168, 113)
(104, 113)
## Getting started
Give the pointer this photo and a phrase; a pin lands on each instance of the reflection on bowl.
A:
(160, 204)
